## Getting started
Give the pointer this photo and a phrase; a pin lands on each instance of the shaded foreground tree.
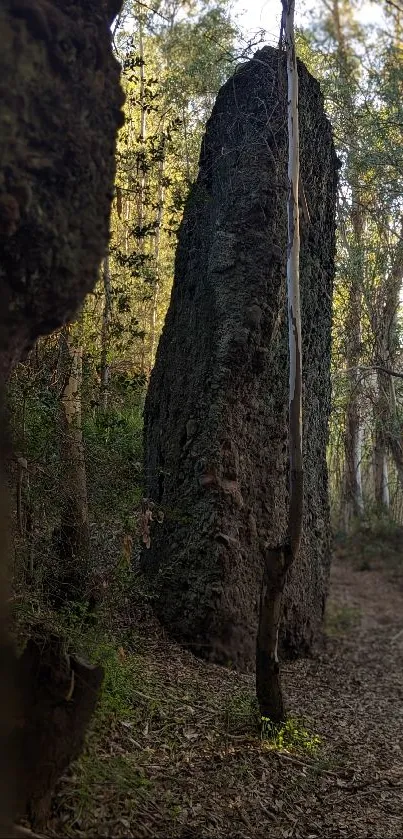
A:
(216, 416)
(61, 107)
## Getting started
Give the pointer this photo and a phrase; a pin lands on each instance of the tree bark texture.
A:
(216, 415)
(279, 560)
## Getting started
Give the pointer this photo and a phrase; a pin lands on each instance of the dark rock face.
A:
(58, 694)
(61, 101)
(60, 110)
(216, 432)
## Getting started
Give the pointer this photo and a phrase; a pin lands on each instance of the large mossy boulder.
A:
(216, 435)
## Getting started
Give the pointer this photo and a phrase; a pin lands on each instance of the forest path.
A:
(189, 764)
(354, 695)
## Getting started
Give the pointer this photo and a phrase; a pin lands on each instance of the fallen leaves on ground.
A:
(189, 762)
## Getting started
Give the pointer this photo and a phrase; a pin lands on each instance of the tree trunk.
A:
(389, 434)
(106, 320)
(157, 246)
(59, 693)
(281, 559)
(142, 175)
(394, 431)
(388, 343)
(74, 526)
(142, 134)
(380, 464)
(353, 496)
(268, 686)
(381, 477)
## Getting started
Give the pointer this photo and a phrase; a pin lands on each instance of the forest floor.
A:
(176, 751)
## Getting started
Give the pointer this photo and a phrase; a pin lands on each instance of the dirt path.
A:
(190, 764)
(355, 695)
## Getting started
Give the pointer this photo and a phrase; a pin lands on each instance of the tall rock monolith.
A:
(216, 435)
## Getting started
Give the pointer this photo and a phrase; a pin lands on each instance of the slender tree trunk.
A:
(74, 527)
(385, 329)
(184, 118)
(141, 204)
(127, 215)
(143, 133)
(381, 477)
(279, 559)
(394, 431)
(157, 247)
(396, 451)
(106, 319)
(380, 418)
(389, 435)
(353, 497)
(385, 494)
(268, 684)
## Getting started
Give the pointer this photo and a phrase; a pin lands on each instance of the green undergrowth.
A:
(155, 718)
(292, 736)
(161, 714)
(113, 444)
(374, 541)
(341, 619)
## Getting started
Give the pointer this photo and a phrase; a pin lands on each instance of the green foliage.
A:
(362, 100)
(118, 700)
(290, 736)
(114, 441)
(173, 63)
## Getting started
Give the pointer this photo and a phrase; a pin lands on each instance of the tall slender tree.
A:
(279, 560)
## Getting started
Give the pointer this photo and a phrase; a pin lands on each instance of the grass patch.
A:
(118, 772)
(241, 714)
(340, 620)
